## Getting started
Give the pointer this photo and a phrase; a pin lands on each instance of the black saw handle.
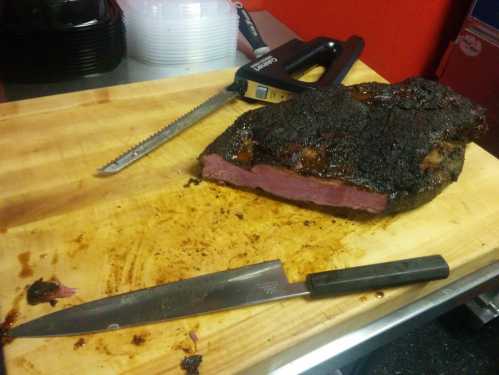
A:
(248, 28)
(278, 67)
(377, 276)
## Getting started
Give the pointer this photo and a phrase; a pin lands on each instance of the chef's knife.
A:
(224, 290)
(269, 78)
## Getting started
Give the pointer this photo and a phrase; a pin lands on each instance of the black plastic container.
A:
(55, 40)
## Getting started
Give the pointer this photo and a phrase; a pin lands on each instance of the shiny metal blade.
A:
(168, 132)
(248, 285)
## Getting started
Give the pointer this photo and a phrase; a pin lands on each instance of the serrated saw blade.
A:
(168, 132)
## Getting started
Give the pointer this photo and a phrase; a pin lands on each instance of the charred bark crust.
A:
(406, 140)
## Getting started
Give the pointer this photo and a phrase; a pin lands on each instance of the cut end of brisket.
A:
(371, 147)
(290, 185)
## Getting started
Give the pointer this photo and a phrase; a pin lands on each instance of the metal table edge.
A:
(343, 350)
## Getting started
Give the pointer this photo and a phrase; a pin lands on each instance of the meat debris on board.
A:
(6, 325)
(80, 343)
(48, 291)
(372, 147)
(191, 364)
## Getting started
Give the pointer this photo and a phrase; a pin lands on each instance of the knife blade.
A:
(249, 285)
(270, 79)
(248, 28)
(171, 130)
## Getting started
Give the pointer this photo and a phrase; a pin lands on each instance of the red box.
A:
(470, 66)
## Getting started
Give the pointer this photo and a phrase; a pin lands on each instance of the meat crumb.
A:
(191, 364)
(78, 344)
(194, 337)
(138, 340)
(379, 294)
(239, 215)
(26, 270)
(48, 291)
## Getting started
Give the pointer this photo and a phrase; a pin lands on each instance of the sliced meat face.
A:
(290, 185)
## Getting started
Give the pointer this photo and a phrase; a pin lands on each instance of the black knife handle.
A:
(377, 276)
(247, 27)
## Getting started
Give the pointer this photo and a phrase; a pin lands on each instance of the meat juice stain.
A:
(187, 346)
(103, 348)
(26, 270)
(7, 324)
(254, 225)
(81, 244)
(192, 181)
(10, 319)
(268, 220)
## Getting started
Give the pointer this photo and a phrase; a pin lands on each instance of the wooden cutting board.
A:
(147, 225)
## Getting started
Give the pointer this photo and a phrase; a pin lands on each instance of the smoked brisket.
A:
(371, 147)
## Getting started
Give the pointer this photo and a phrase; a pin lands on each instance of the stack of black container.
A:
(56, 40)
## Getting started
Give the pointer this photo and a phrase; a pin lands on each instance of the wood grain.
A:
(144, 226)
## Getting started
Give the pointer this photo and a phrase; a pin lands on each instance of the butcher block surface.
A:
(148, 225)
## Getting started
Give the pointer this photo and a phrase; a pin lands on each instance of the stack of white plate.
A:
(180, 31)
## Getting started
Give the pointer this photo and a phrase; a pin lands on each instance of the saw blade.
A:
(168, 132)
